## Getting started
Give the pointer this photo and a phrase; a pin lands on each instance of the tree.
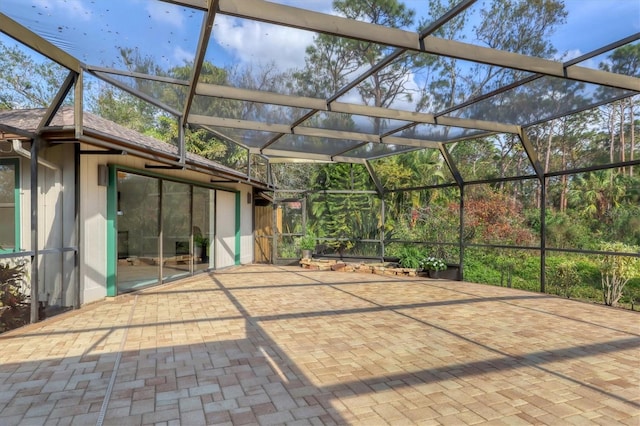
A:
(597, 193)
(130, 111)
(517, 26)
(28, 81)
(343, 218)
(623, 60)
(332, 60)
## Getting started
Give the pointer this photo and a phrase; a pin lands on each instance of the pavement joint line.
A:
(116, 365)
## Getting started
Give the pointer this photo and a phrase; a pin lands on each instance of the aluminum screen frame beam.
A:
(204, 120)
(260, 10)
(317, 104)
(37, 43)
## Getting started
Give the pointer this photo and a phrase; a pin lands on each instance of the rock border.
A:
(359, 267)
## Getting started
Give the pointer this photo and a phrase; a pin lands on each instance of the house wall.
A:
(56, 221)
(225, 229)
(93, 214)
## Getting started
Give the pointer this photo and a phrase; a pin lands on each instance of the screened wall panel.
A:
(497, 156)
(415, 169)
(428, 218)
(588, 210)
(494, 215)
(503, 267)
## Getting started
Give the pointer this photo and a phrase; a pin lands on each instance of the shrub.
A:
(410, 257)
(564, 277)
(12, 295)
(616, 271)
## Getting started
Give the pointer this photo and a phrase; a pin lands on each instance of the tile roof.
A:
(28, 120)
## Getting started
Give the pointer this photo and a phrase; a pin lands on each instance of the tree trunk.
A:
(547, 155)
(612, 118)
(632, 120)
(622, 139)
(565, 189)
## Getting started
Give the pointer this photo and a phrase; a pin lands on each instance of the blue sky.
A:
(92, 30)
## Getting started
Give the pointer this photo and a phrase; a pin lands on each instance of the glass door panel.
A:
(176, 230)
(138, 225)
(203, 228)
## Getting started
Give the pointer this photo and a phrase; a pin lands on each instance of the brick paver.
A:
(274, 345)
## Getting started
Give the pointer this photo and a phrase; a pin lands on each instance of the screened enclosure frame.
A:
(399, 42)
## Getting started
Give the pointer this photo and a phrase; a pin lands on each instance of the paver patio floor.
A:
(272, 345)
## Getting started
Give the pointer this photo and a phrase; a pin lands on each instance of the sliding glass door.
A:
(138, 230)
(165, 230)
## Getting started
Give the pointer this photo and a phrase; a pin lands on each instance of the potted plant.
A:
(200, 245)
(307, 244)
(434, 265)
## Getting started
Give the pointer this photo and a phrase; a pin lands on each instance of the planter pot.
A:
(434, 274)
(307, 254)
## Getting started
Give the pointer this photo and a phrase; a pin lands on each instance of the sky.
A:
(93, 29)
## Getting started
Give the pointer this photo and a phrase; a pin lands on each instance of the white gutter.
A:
(18, 149)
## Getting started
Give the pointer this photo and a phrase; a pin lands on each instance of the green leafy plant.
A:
(200, 240)
(433, 264)
(410, 257)
(307, 242)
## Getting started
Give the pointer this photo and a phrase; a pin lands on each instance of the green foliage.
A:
(616, 270)
(343, 218)
(478, 270)
(563, 277)
(626, 224)
(307, 242)
(564, 231)
(28, 81)
(200, 240)
(410, 256)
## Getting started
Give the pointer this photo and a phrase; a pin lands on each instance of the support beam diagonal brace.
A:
(37, 43)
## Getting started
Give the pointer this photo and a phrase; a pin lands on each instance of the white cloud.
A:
(182, 55)
(162, 12)
(261, 43)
